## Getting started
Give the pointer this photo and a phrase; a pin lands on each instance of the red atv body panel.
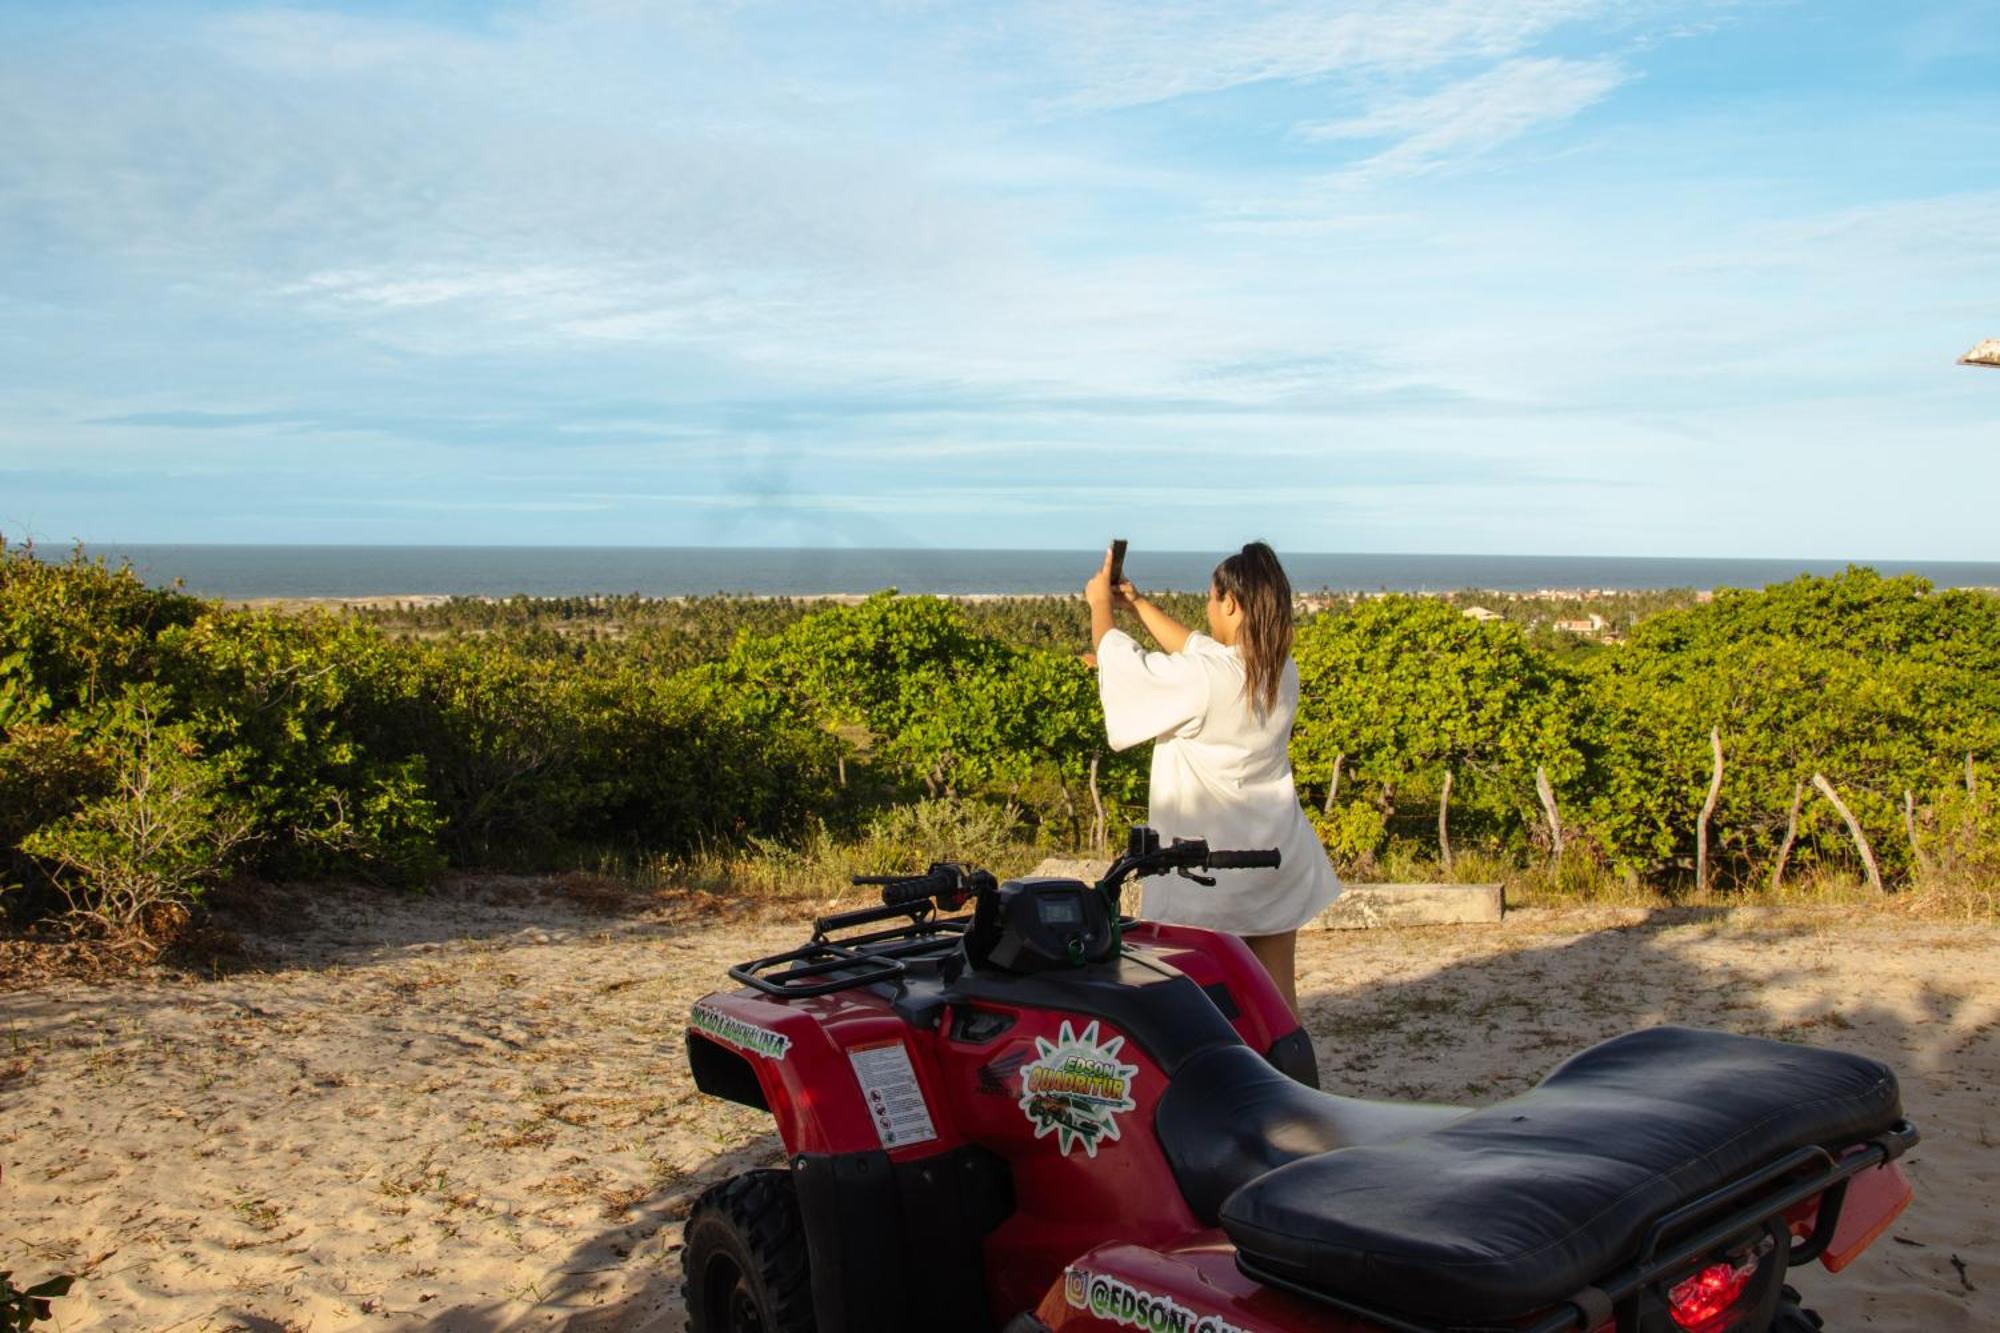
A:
(1071, 1186)
(962, 1163)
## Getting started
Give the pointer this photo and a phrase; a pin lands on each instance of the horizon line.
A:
(114, 546)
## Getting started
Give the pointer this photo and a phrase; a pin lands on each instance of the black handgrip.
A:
(905, 892)
(1243, 860)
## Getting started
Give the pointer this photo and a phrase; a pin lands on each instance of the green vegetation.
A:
(152, 745)
(22, 1309)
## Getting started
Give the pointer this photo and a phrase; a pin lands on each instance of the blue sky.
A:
(1518, 276)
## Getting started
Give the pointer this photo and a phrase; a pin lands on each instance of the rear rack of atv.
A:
(824, 965)
(1716, 1214)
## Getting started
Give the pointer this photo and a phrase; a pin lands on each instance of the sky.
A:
(1621, 277)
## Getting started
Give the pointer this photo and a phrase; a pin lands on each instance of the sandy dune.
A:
(470, 1112)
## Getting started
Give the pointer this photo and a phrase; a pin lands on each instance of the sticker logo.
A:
(1121, 1303)
(1077, 1088)
(735, 1032)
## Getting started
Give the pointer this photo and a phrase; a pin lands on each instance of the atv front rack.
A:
(1718, 1222)
(824, 966)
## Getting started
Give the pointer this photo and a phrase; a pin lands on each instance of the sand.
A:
(469, 1111)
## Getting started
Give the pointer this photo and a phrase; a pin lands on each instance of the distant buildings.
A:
(1481, 614)
(1590, 624)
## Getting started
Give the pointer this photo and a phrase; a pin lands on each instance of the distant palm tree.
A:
(1986, 354)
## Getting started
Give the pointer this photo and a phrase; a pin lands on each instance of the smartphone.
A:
(1117, 562)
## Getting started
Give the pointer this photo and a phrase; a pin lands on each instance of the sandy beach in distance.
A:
(470, 1111)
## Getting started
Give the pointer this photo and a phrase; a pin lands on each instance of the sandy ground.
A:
(469, 1111)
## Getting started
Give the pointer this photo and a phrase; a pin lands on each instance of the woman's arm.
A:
(1170, 633)
(1098, 594)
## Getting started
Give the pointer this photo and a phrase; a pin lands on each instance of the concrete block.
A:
(1055, 867)
(1361, 906)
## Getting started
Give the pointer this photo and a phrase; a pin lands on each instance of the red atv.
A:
(1043, 1116)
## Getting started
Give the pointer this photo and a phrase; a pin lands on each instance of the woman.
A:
(1218, 708)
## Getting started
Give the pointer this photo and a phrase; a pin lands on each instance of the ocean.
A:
(243, 572)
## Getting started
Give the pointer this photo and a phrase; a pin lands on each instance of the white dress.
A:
(1220, 773)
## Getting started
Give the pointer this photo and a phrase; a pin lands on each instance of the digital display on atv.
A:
(1060, 909)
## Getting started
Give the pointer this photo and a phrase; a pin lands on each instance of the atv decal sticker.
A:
(735, 1032)
(895, 1102)
(1077, 1089)
(1119, 1302)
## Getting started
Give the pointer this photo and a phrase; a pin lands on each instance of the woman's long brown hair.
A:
(1257, 581)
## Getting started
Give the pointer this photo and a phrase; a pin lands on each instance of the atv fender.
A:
(798, 1066)
(1193, 1286)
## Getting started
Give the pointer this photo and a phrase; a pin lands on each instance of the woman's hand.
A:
(1098, 593)
(1126, 595)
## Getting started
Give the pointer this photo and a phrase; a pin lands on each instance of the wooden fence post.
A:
(1707, 813)
(1791, 836)
(1853, 829)
(1444, 824)
(1547, 791)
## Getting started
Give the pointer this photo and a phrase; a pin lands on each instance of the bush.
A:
(137, 857)
(977, 832)
(151, 744)
(46, 772)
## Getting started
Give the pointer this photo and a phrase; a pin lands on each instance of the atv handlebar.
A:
(902, 892)
(951, 885)
(947, 883)
(1144, 855)
(1243, 860)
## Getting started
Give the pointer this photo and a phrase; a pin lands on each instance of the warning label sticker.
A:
(894, 1099)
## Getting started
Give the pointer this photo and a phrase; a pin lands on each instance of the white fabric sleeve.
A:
(1146, 695)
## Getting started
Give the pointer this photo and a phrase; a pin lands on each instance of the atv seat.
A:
(1229, 1117)
(1520, 1205)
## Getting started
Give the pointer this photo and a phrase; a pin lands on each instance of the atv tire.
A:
(1793, 1317)
(744, 1258)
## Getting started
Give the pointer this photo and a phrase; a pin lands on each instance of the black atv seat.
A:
(1519, 1206)
(1229, 1117)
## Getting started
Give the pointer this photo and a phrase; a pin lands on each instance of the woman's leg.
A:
(1279, 955)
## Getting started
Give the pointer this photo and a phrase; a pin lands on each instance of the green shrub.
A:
(980, 833)
(1351, 832)
(167, 828)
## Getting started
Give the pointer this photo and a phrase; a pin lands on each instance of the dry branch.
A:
(1910, 826)
(1547, 792)
(1097, 804)
(1854, 829)
(1707, 813)
(1444, 825)
(1791, 836)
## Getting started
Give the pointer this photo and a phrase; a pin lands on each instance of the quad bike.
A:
(1043, 1116)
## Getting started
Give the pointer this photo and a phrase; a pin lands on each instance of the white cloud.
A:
(1119, 53)
(316, 44)
(649, 237)
(1472, 116)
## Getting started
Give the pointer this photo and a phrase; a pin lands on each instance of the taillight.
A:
(1700, 1302)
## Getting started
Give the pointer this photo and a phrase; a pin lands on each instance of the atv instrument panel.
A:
(1051, 923)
